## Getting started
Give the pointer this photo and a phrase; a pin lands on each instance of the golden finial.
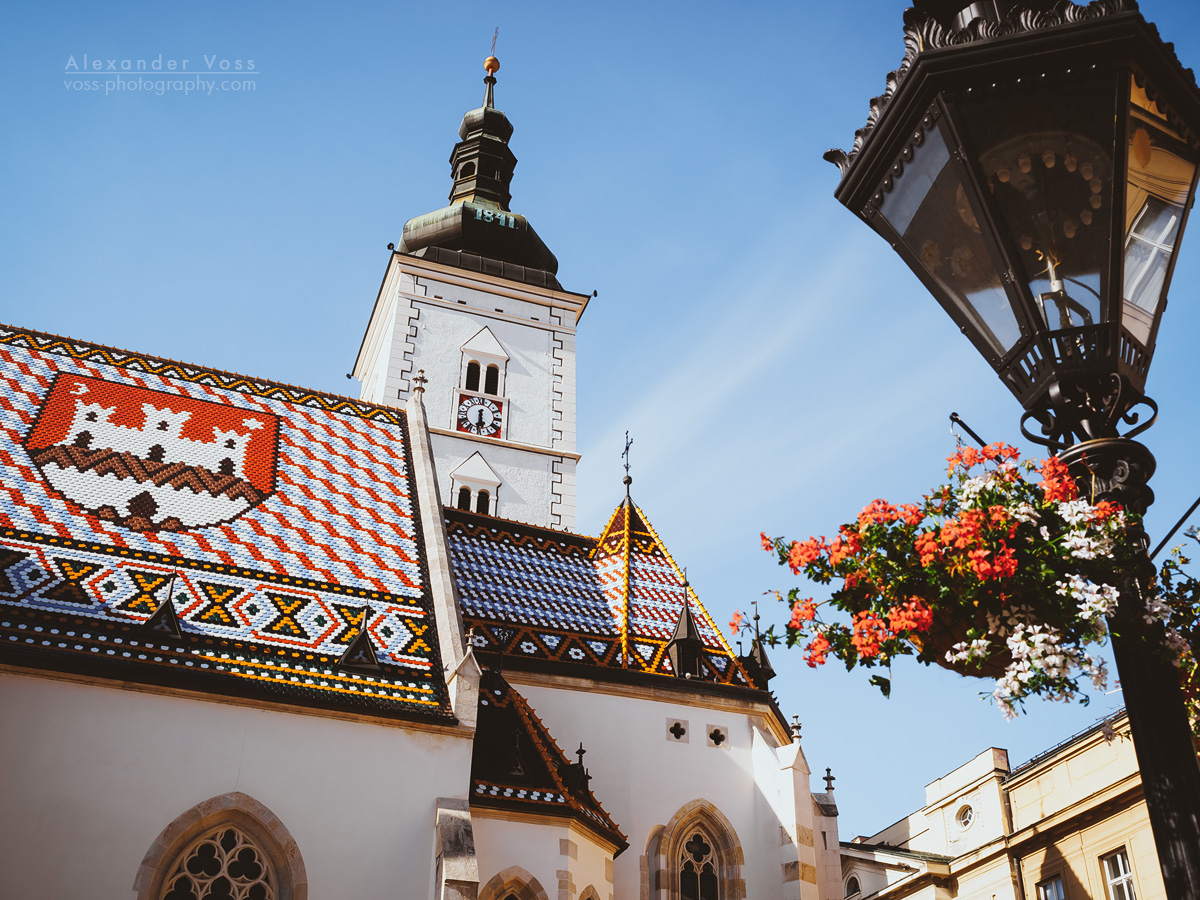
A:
(492, 65)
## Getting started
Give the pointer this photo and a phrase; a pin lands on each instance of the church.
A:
(265, 642)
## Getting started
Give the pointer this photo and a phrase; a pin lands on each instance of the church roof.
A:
(611, 602)
(267, 518)
(517, 765)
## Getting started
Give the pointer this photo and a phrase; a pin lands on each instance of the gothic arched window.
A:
(229, 847)
(483, 502)
(491, 380)
(464, 498)
(696, 856)
(472, 382)
(698, 869)
(224, 862)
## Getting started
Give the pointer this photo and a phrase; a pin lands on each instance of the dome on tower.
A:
(478, 231)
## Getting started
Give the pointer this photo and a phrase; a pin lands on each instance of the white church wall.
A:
(106, 772)
(564, 858)
(643, 775)
(526, 486)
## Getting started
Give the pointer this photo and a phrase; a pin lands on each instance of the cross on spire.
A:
(419, 382)
(830, 778)
(628, 479)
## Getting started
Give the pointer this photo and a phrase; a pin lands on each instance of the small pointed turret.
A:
(686, 648)
(477, 231)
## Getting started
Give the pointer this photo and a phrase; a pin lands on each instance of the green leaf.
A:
(884, 684)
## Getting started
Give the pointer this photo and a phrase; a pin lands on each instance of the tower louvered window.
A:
(472, 381)
(491, 380)
(464, 498)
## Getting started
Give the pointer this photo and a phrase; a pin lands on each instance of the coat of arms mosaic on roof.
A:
(271, 518)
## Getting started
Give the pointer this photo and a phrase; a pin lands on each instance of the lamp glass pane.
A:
(1162, 167)
(1046, 159)
(928, 207)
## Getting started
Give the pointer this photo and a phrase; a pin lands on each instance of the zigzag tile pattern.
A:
(279, 546)
(542, 594)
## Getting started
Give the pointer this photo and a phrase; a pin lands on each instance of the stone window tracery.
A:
(223, 863)
(698, 870)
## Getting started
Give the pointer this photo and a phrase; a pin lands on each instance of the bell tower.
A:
(471, 296)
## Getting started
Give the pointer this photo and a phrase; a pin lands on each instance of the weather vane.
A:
(495, 34)
(625, 454)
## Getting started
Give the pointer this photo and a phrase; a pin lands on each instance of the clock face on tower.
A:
(478, 415)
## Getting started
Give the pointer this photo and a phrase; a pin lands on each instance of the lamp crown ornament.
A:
(1046, 226)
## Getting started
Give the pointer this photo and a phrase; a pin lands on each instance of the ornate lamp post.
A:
(1034, 165)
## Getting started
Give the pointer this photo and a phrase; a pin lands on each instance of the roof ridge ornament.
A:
(491, 65)
(628, 479)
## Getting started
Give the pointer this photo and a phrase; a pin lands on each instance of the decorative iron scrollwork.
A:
(1086, 410)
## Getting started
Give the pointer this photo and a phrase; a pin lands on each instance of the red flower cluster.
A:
(927, 545)
(911, 616)
(1057, 484)
(877, 512)
(814, 653)
(736, 623)
(802, 611)
(1001, 565)
(1106, 509)
(869, 633)
(801, 553)
(846, 545)
(968, 457)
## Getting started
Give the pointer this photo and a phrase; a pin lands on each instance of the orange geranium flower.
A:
(869, 633)
(801, 553)
(913, 615)
(802, 611)
(767, 543)
(736, 623)
(814, 653)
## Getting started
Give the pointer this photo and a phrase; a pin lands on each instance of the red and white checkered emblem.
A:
(152, 461)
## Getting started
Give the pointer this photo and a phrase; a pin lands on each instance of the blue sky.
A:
(775, 363)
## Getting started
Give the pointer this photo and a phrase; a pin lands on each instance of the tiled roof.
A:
(544, 594)
(516, 764)
(269, 516)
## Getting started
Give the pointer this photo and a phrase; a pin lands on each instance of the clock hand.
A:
(479, 421)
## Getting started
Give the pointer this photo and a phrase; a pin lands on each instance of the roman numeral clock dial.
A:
(478, 415)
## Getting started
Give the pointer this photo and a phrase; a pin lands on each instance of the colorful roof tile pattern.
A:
(270, 517)
(517, 765)
(611, 601)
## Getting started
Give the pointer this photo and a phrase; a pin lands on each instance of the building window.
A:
(1119, 876)
(483, 503)
(853, 888)
(1051, 889)
(224, 862)
(491, 380)
(698, 869)
(964, 817)
(472, 381)
(464, 498)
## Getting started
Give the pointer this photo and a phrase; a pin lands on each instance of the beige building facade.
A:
(1069, 824)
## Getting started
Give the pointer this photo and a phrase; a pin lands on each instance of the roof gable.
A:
(484, 343)
(537, 593)
(268, 516)
(517, 764)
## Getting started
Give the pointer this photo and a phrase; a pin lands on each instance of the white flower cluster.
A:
(1095, 601)
(1039, 657)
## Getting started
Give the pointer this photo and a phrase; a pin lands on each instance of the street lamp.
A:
(1034, 166)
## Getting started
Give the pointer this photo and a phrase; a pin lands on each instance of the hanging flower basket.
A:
(992, 575)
